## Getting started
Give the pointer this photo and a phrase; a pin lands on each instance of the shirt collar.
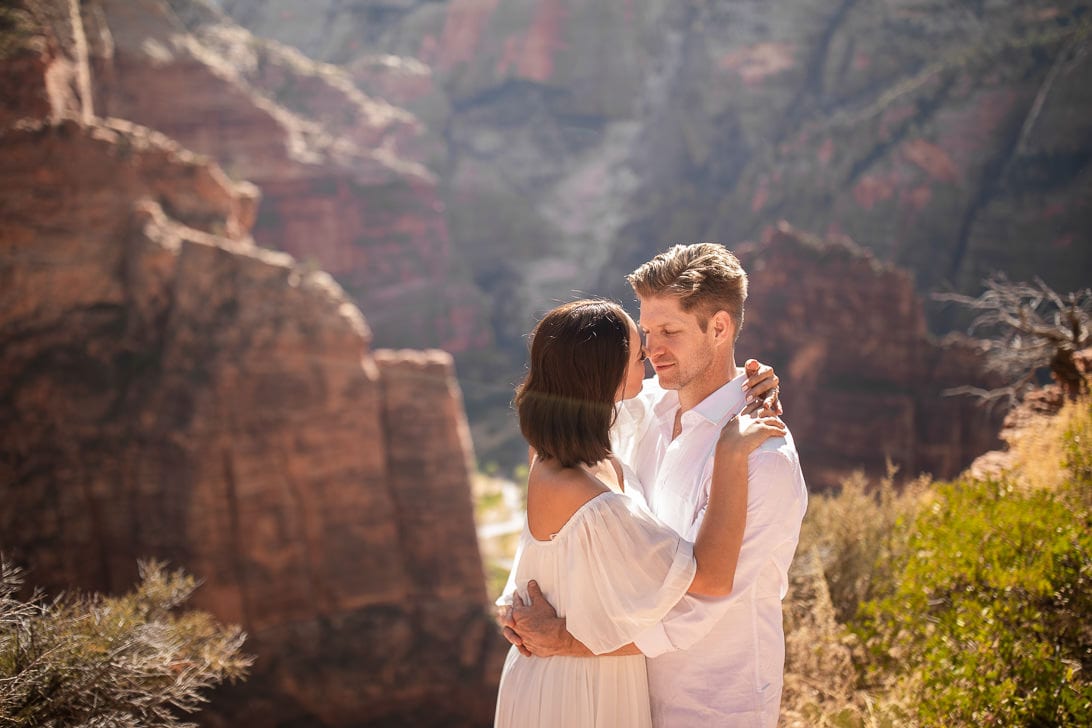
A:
(726, 401)
(666, 404)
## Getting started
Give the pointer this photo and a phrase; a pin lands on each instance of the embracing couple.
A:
(661, 516)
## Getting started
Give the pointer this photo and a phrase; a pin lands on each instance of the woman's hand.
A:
(744, 433)
(762, 389)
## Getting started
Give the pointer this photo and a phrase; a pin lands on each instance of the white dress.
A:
(612, 571)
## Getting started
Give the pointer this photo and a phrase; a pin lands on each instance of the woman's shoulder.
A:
(562, 485)
(555, 494)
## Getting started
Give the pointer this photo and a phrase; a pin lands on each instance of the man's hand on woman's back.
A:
(535, 629)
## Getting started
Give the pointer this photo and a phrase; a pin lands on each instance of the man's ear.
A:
(723, 327)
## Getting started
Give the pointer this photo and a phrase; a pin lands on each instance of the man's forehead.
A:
(660, 310)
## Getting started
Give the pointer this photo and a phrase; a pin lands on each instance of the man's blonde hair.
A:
(704, 277)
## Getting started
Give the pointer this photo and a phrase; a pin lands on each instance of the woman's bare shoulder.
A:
(554, 494)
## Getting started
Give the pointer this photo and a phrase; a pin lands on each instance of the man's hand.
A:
(535, 629)
(762, 389)
(508, 627)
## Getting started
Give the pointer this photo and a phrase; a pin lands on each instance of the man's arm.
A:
(535, 629)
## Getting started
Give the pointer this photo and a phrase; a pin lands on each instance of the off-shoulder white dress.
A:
(612, 571)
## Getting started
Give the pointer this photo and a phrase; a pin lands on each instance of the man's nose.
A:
(653, 346)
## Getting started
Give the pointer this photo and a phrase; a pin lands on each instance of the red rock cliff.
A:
(175, 393)
(864, 379)
(171, 390)
(343, 179)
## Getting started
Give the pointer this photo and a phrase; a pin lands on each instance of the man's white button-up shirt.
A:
(715, 661)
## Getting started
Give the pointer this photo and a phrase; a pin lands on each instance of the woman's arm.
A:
(720, 536)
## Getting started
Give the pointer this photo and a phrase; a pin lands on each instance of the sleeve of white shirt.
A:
(774, 512)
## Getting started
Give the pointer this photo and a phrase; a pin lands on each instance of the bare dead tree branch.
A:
(1028, 327)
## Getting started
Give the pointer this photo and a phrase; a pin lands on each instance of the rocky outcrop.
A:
(1026, 421)
(173, 391)
(864, 379)
(343, 177)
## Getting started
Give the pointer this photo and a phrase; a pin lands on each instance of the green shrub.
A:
(988, 621)
(104, 661)
(1077, 446)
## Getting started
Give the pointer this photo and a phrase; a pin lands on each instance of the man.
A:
(712, 661)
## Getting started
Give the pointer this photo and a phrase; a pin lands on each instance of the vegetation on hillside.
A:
(951, 604)
(96, 661)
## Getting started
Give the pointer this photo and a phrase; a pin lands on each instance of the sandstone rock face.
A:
(344, 185)
(865, 379)
(171, 390)
(43, 52)
(950, 140)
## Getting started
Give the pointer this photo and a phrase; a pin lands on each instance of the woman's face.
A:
(635, 371)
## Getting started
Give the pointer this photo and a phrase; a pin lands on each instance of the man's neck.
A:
(695, 393)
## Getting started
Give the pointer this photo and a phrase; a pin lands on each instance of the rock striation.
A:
(865, 380)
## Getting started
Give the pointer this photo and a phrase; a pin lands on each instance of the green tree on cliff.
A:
(134, 660)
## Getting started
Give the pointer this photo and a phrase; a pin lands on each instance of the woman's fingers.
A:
(770, 426)
(762, 388)
(761, 381)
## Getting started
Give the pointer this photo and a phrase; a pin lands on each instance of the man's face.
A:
(681, 353)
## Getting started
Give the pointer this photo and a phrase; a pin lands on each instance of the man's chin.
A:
(667, 382)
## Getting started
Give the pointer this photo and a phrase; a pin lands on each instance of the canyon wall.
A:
(952, 139)
(865, 382)
(580, 138)
(344, 181)
(172, 390)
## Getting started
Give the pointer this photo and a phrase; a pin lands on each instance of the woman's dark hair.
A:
(579, 355)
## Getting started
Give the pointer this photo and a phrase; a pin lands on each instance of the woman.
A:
(602, 560)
